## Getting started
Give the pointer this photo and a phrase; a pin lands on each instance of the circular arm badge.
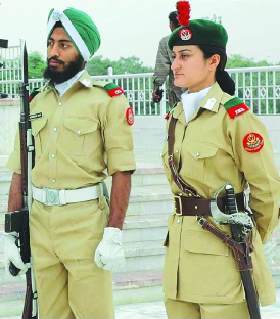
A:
(253, 142)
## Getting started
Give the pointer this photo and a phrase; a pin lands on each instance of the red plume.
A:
(183, 9)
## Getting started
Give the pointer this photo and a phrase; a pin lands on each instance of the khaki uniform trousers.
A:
(63, 241)
(177, 309)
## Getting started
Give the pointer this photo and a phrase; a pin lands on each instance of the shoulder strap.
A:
(235, 107)
(182, 185)
(111, 88)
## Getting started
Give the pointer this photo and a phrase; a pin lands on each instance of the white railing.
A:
(259, 87)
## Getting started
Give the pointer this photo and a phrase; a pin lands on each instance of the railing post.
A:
(110, 71)
(163, 103)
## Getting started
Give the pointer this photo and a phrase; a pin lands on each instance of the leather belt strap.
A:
(198, 206)
(59, 197)
(182, 185)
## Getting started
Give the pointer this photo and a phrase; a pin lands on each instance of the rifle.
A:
(18, 221)
(241, 226)
(157, 95)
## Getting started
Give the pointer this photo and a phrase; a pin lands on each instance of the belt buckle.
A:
(180, 205)
(52, 197)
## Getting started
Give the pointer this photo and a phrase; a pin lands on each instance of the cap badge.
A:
(185, 34)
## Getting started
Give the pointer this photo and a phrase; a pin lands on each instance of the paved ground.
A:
(156, 310)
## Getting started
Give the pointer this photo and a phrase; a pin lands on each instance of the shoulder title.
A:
(33, 94)
(111, 88)
(235, 107)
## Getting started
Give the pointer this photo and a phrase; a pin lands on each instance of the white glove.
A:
(12, 254)
(109, 253)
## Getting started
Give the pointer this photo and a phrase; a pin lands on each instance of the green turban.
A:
(79, 27)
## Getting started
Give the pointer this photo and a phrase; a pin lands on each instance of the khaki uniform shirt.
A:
(209, 153)
(163, 70)
(80, 135)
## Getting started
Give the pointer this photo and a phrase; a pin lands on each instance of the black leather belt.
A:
(198, 206)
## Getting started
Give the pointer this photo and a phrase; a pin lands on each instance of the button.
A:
(177, 151)
(53, 180)
(59, 103)
(52, 156)
(54, 129)
(197, 154)
(195, 207)
(178, 221)
(79, 132)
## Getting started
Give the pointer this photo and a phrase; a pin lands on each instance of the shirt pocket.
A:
(80, 136)
(37, 131)
(204, 243)
(194, 159)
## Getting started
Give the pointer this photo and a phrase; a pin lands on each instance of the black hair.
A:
(223, 78)
(173, 18)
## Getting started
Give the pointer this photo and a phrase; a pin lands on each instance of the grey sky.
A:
(134, 27)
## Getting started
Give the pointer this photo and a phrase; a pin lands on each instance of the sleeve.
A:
(13, 163)
(259, 169)
(162, 65)
(118, 136)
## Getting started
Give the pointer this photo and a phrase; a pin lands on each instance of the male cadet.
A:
(85, 129)
(163, 67)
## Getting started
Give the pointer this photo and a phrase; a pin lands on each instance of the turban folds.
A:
(80, 28)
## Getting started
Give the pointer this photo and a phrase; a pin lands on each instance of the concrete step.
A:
(5, 179)
(145, 228)
(149, 175)
(150, 204)
(144, 256)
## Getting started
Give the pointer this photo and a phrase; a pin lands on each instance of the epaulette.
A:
(33, 94)
(235, 107)
(111, 88)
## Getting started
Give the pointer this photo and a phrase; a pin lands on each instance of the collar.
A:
(191, 102)
(210, 102)
(213, 98)
(64, 86)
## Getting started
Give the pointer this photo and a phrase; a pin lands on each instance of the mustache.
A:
(55, 59)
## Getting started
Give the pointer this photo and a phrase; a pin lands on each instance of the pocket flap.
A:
(203, 242)
(38, 125)
(80, 126)
(202, 150)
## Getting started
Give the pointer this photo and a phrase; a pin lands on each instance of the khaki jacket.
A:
(81, 135)
(209, 151)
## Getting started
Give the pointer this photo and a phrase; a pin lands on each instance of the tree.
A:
(238, 61)
(36, 65)
(131, 65)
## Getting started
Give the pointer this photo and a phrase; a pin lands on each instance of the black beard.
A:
(70, 70)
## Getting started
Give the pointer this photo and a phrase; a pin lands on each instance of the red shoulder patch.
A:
(253, 142)
(237, 110)
(129, 114)
(115, 92)
(235, 107)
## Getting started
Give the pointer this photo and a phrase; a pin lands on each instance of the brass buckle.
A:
(180, 205)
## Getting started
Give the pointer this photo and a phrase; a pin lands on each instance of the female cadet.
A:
(213, 139)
